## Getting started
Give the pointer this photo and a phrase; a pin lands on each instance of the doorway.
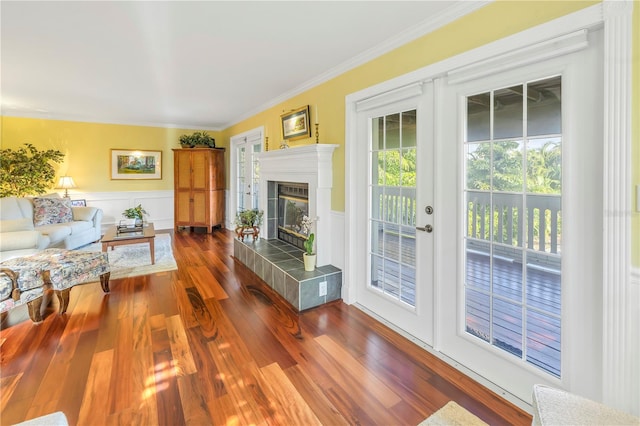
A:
(245, 170)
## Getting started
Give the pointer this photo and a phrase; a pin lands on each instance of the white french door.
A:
(523, 150)
(246, 170)
(398, 283)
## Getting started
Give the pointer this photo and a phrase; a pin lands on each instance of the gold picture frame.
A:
(136, 164)
(295, 124)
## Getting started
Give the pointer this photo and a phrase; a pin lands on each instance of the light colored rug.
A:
(132, 260)
(452, 415)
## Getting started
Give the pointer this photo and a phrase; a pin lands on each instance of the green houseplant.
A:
(248, 222)
(135, 214)
(27, 171)
(308, 256)
(197, 139)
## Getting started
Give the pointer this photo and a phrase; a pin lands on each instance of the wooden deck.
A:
(540, 317)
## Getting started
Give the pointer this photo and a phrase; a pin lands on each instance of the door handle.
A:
(426, 228)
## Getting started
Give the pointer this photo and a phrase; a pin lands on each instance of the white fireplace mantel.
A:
(310, 164)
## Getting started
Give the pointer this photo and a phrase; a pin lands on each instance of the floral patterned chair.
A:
(24, 279)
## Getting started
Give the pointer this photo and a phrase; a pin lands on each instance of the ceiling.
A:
(203, 65)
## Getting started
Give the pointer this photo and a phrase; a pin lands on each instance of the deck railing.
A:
(542, 218)
(505, 224)
(397, 206)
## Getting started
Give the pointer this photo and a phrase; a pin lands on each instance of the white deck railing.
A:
(504, 224)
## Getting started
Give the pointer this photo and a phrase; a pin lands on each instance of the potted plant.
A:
(248, 222)
(135, 214)
(197, 139)
(308, 256)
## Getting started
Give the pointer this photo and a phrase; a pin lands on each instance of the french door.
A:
(520, 143)
(484, 247)
(398, 248)
(246, 169)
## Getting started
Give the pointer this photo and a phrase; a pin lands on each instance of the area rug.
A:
(132, 260)
(452, 415)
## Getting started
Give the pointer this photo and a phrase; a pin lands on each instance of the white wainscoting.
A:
(337, 241)
(158, 204)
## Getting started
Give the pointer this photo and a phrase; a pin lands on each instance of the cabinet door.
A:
(200, 170)
(183, 207)
(200, 208)
(182, 175)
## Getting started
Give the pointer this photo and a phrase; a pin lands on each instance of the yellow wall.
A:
(87, 148)
(87, 144)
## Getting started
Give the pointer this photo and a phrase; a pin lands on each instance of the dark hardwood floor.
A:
(211, 344)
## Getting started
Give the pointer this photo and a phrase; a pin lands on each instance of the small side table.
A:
(146, 234)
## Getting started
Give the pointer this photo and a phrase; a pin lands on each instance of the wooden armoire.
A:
(199, 187)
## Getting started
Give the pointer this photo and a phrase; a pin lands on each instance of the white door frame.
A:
(620, 389)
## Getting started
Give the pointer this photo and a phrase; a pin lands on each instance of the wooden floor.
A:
(211, 344)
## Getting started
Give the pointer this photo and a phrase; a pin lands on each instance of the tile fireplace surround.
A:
(278, 263)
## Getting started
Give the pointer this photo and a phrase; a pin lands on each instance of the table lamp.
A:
(65, 183)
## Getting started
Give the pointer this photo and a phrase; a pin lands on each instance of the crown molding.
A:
(117, 122)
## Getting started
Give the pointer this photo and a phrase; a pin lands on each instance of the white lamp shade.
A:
(66, 182)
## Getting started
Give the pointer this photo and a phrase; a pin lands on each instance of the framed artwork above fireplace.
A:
(295, 124)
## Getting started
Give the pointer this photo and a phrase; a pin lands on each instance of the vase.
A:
(309, 262)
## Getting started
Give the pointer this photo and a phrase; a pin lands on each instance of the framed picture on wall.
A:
(78, 203)
(295, 124)
(136, 164)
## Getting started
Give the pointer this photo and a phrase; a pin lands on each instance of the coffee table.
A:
(146, 234)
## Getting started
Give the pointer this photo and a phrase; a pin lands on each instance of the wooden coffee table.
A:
(114, 238)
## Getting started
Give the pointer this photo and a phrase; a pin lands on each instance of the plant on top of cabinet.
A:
(197, 139)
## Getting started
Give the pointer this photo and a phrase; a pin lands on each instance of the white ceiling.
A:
(190, 64)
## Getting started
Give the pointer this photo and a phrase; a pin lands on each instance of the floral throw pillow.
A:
(47, 211)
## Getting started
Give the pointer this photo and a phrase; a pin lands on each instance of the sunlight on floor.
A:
(156, 382)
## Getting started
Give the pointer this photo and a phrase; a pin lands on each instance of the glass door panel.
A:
(393, 206)
(247, 175)
(513, 153)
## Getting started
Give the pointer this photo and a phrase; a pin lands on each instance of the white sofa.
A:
(30, 224)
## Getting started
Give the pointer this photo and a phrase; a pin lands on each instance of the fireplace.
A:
(293, 206)
(297, 182)
(309, 165)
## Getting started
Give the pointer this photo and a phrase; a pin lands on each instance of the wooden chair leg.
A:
(63, 299)
(34, 310)
(104, 281)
